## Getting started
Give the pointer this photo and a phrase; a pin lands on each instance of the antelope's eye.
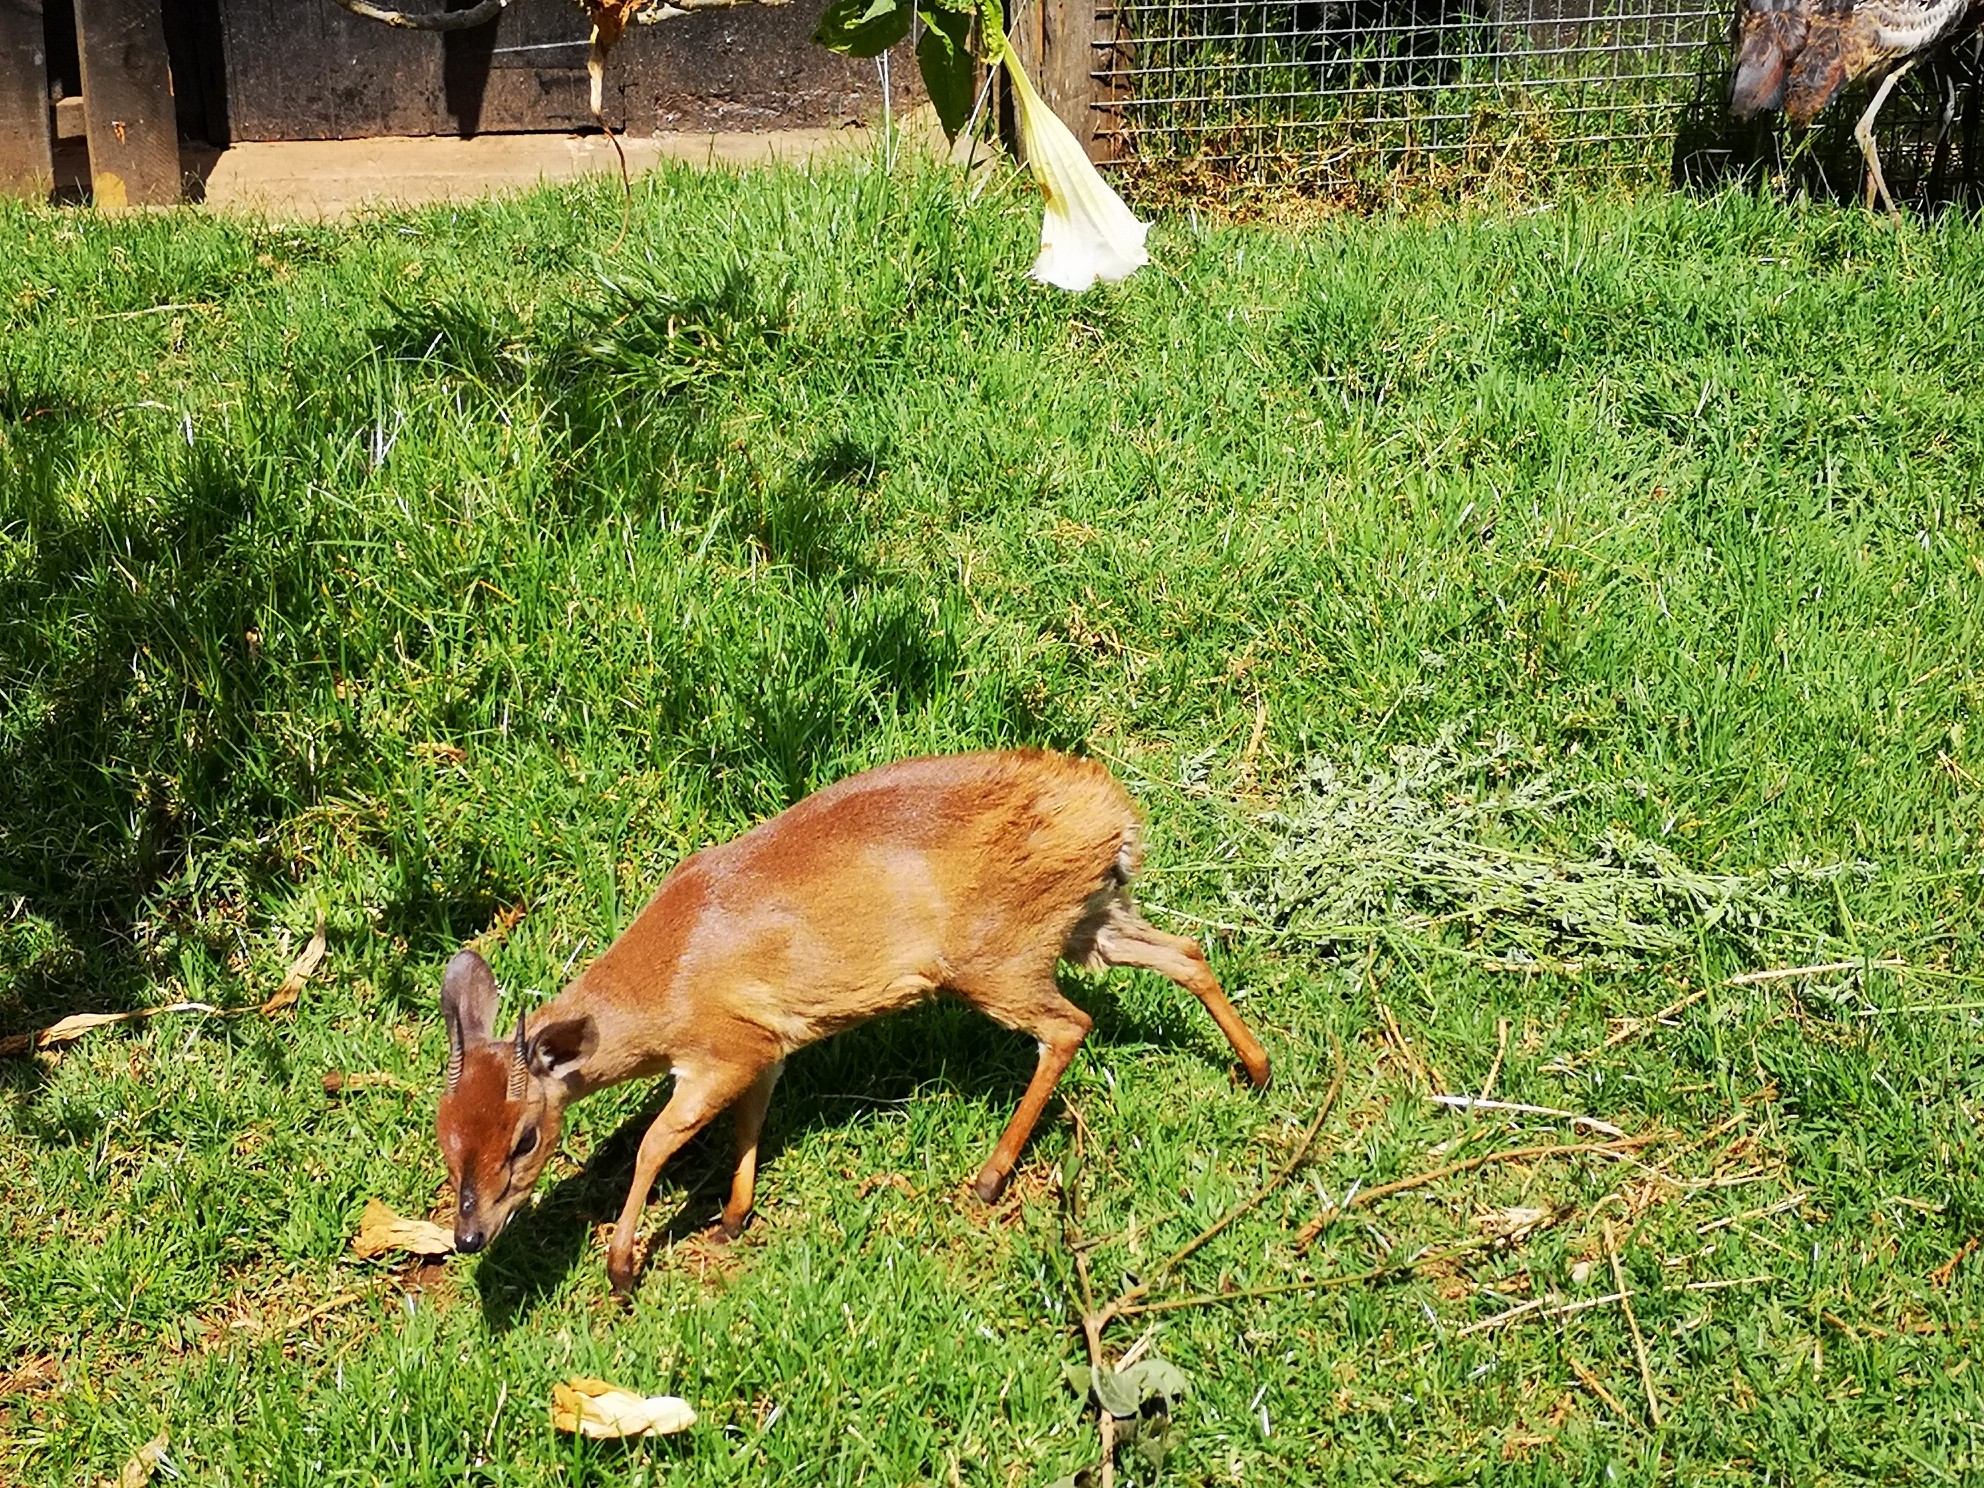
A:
(526, 1145)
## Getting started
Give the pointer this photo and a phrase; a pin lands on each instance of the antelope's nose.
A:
(469, 1240)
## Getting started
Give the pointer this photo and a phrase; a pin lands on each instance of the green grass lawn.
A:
(452, 577)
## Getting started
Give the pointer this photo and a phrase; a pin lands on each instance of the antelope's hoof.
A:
(620, 1276)
(988, 1185)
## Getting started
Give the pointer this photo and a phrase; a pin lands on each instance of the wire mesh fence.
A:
(1347, 96)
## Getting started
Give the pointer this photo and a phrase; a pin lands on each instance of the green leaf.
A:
(1078, 1377)
(1115, 1393)
(992, 25)
(1158, 1378)
(1071, 1176)
(1157, 1440)
(943, 53)
(864, 28)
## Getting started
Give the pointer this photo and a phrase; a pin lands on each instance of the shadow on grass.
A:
(944, 1047)
(128, 655)
(178, 625)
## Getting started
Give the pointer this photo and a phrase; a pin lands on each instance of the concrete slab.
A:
(317, 180)
(314, 179)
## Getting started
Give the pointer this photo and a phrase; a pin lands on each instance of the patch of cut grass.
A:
(437, 574)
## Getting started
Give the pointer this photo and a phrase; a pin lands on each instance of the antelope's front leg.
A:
(700, 1093)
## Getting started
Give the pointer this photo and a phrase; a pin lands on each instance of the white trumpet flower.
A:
(1086, 233)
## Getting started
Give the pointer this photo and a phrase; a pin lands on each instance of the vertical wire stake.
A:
(888, 113)
(1639, 1339)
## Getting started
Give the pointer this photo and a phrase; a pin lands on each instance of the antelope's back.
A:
(917, 871)
(996, 823)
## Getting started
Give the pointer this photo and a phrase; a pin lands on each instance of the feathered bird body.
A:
(1798, 55)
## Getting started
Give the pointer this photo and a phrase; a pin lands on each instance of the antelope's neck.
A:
(628, 1039)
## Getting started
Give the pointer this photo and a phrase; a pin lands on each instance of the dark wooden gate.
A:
(221, 71)
(305, 69)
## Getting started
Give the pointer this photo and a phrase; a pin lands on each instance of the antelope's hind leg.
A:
(1025, 998)
(1114, 934)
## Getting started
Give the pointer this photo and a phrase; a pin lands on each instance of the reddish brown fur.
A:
(969, 874)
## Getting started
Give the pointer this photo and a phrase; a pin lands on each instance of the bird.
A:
(1798, 55)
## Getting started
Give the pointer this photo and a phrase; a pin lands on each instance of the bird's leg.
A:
(1877, 186)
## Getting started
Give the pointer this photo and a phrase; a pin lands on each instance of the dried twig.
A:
(1482, 1103)
(1942, 1274)
(1635, 1026)
(1597, 1387)
(1708, 1226)
(1091, 1330)
(1823, 968)
(1171, 1263)
(1501, 1048)
(1316, 1284)
(1632, 1323)
(1254, 738)
(452, 20)
(1138, 1349)
(305, 1319)
(1413, 1063)
(1095, 1319)
(1367, 1196)
(1540, 1308)
(1717, 1130)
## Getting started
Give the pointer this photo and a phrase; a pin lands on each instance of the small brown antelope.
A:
(971, 874)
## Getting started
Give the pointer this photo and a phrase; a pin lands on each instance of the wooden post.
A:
(25, 166)
(1056, 42)
(127, 103)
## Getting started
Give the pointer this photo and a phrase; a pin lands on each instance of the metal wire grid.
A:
(1334, 88)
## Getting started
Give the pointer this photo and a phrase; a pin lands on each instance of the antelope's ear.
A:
(557, 1048)
(468, 1005)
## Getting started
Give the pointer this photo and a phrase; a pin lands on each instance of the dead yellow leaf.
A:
(138, 1471)
(1518, 1222)
(336, 1082)
(381, 1230)
(299, 972)
(592, 1407)
(73, 1027)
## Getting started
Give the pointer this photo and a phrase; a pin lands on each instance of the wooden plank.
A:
(1056, 42)
(306, 69)
(746, 68)
(127, 103)
(26, 168)
(199, 84)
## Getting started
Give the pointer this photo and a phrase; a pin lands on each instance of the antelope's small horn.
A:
(454, 1064)
(520, 1064)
